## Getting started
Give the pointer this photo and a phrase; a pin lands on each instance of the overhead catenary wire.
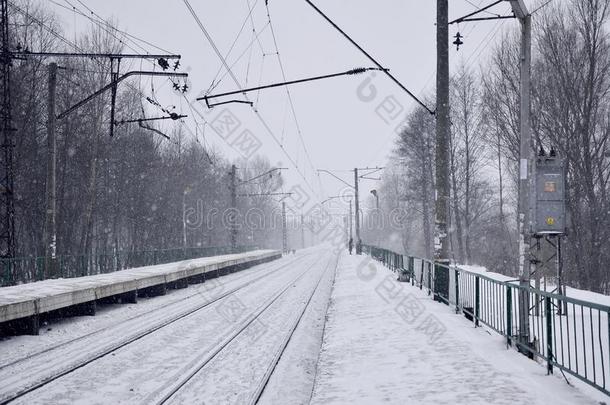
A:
(473, 56)
(112, 30)
(353, 42)
(64, 40)
(226, 56)
(127, 34)
(216, 81)
(292, 109)
(236, 81)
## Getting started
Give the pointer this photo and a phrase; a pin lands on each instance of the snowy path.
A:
(138, 371)
(388, 342)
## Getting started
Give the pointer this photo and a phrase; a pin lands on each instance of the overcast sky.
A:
(339, 129)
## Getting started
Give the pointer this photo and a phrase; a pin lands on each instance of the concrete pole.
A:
(184, 193)
(525, 176)
(233, 225)
(442, 132)
(350, 219)
(302, 232)
(50, 227)
(357, 241)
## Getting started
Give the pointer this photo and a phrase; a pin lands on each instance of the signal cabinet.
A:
(549, 208)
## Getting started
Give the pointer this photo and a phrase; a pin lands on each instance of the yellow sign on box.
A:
(550, 221)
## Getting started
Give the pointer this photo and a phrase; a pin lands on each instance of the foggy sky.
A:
(339, 128)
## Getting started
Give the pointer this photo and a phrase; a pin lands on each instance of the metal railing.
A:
(566, 333)
(28, 269)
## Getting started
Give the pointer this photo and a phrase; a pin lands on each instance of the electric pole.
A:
(284, 231)
(350, 219)
(442, 132)
(50, 227)
(232, 224)
(358, 243)
(7, 203)
(525, 169)
(302, 232)
(368, 171)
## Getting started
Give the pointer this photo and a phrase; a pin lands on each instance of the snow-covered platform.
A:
(389, 342)
(27, 301)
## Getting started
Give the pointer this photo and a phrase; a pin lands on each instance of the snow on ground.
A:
(293, 379)
(388, 342)
(65, 329)
(570, 292)
(134, 371)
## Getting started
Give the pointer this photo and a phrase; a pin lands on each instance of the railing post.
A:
(477, 296)
(509, 315)
(429, 278)
(421, 276)
(457, 291)
(412, 270)
(549, 334)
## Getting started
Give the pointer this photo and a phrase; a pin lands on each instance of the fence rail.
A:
(569, 334)
(28, 269)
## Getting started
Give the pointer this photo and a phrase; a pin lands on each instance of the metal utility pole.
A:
(7, 203)
(368, 172)
(525, 168)
(284, 231)
(358, 242)
(184, 222)
(442, 132)
(233, 190)
(50, 227)
(350, 219)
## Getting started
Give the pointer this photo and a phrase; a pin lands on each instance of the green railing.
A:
(569, 334)
(29, 269)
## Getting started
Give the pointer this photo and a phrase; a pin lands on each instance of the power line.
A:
(110, 29)
(73, 44)
(216, 83)
(248, 17)
(541, 7)
(76, 10)
(394, 79)
(493, 32)
(294, 115)
(257, 113)
(121, 31)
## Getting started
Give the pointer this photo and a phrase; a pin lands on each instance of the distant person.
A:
(350, 245)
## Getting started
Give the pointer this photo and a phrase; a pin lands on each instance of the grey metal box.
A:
(549, 212)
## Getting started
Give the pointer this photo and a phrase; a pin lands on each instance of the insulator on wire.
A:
(163, 63)
(541, 152)
(458, 40)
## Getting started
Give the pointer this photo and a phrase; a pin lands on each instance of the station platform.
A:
(23, 304)
(389, 342)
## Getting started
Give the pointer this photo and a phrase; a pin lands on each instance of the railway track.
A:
(197, 292)
(256, 396)
(9, 394)
(169, 393)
